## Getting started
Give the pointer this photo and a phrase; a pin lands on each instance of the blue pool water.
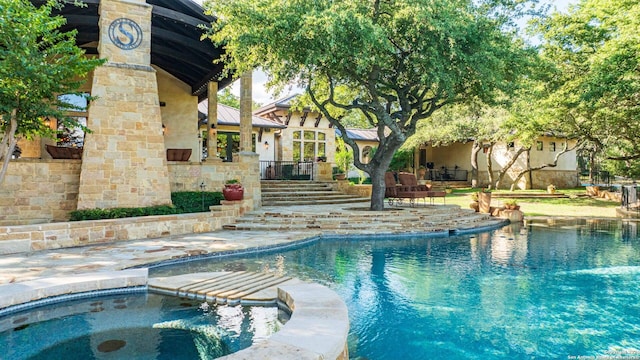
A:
(135, 327)
(546, 290)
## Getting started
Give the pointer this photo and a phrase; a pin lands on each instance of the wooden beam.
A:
(303, 118)
(318, 120)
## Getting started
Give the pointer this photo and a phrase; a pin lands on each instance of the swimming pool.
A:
(546, 290)
(134, 326)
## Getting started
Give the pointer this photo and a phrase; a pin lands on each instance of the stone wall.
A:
(42, 191)
(27, 238)
(36, 191)
(541, 179)
(188, 176)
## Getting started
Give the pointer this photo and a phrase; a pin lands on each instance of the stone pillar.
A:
(245, 112)
(212, 114)
(124, 162)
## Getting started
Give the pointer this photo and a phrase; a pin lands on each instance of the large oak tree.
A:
(394, 62)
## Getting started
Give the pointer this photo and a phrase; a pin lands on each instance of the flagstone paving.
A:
(269, 226)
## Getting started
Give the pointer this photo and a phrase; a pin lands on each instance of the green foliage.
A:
(183, 202)
(402, 160)
(232, 181)
(392, 63)
(115, 213)
(592, 80)
(191, 201)
(38, 63)
(343, 157)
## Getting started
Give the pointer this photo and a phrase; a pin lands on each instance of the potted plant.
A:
(233, 190)
(551, 189)
(511, 205)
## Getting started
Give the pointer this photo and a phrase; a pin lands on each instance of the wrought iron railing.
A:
(286, 170)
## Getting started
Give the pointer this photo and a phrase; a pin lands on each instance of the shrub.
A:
(115, 213)
(191, 201)
(183, 202)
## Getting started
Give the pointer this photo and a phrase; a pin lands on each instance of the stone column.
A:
(212, 114)
(245, 113)
(124, 162)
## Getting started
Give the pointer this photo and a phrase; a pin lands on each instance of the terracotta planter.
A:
(233, 192)
(512, 207)
(475, 206)
(341, 176)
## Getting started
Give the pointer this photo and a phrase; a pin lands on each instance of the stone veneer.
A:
(124, 163)
(42, 191)
(27, 238)
(38, 191)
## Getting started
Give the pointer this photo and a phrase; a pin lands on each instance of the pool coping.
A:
(317, 329)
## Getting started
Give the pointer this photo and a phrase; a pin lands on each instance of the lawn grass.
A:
(578, 204)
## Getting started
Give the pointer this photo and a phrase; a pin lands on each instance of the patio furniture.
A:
(411, 182)
(397, 193)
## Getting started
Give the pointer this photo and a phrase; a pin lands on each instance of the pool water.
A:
(546, 290)
(134, 326)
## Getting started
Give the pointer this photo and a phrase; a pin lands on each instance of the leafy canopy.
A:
(593, 82)
(392, 62)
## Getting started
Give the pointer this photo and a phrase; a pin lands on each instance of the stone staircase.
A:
(289, 193)
(441, 218)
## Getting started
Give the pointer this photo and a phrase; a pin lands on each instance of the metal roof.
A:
(228, 115)
(175, 39)
(361, 134)
(281, 104)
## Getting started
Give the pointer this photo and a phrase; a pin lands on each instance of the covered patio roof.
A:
(175, 39)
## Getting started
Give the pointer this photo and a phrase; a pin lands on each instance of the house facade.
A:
(453, 163)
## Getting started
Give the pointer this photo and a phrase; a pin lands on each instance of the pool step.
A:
(240, 287)
(396, 220)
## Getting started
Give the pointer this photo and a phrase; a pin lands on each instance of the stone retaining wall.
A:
(27, 238)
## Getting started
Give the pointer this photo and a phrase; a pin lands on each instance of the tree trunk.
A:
(592, 165)
(508, 166)
(377, 188)
(8, 144)
(490, 165)
(475, 150)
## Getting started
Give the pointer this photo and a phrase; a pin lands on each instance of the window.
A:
(309, 145)
(539, 145)
(552, 146)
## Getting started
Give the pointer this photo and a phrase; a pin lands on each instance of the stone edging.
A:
(318, 327)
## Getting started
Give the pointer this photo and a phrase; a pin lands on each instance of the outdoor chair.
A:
(397, 193)
(411, 182)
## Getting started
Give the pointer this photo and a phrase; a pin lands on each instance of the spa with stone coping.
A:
(318, 327)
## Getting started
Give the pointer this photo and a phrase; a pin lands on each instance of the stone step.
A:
(295, 202)
(302, 193)
(309, 196)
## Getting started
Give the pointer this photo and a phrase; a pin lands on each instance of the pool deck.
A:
(136, 253)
